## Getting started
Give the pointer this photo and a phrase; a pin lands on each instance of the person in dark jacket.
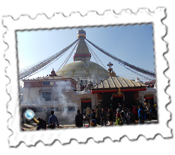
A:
(103, 117)
(52, 121)
(41, 124)
(141, 114)
(130, 117)
(110, 117)
(123, 117)
(79, 119)
(93, 122)
(119, 109)
(92, 115)
(97, 114)
(153, 111)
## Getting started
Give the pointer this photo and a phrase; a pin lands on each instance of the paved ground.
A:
(32, 126)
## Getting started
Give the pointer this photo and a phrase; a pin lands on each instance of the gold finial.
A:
(119, 92)
(111, 72)
(110, 64)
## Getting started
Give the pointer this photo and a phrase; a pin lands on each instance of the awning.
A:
(85, 101)
(148, 97)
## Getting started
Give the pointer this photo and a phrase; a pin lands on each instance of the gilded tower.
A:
(82, 52)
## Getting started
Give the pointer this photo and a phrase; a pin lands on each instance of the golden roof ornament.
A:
(111, 72)
(53, 73)
(119, 92)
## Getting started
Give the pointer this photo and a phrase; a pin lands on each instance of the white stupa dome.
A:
(84, 70)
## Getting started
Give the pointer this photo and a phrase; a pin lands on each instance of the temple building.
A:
(44, 94)
(60, 94)
(149, 95)
(114, 89)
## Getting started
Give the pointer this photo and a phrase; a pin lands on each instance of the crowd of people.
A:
(121, 116)
(106, 116)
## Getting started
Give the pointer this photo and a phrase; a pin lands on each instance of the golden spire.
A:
(119, 92)
(111, 72)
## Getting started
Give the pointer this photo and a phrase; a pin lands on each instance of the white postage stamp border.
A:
(91, 19)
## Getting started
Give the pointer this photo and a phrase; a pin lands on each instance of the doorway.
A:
(116, 101)
(84, 104)
(149, 98)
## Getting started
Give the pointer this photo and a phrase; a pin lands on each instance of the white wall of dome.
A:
(84, 70)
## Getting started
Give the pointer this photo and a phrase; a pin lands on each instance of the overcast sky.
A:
(132, 43)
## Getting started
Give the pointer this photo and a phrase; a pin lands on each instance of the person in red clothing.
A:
(135, 111)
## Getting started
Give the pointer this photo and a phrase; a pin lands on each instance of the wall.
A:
(152, 91)
(136, 94)
(31, 94)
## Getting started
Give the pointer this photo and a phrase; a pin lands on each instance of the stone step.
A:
(27, 126)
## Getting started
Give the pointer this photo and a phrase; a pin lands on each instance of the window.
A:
(71, 108)
(46, 83)
(56, 108)
(38, 109)
(46, 96)
(52, 109)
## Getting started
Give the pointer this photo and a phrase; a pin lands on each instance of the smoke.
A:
(61, 102)
(93, 78)
(64, 92)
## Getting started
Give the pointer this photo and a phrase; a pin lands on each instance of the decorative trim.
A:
(112, 91)
(148, 98)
